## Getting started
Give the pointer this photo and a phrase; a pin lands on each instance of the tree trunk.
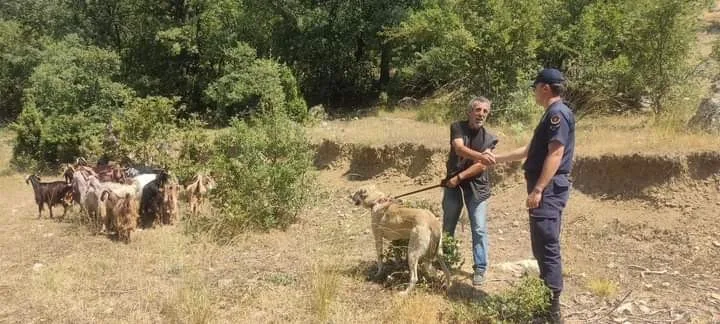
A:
(385, 56)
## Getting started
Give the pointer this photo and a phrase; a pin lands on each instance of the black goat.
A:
(50, 194)
(152, 199)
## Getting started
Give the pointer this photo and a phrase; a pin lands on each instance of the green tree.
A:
(69, 98)
(19, 51)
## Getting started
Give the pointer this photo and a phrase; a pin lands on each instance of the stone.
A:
(626, 308)
(707, 116)
(408, 102)
(518, 267)
(37, 267)
(224, 283)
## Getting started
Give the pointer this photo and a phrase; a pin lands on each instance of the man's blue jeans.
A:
(477, 211)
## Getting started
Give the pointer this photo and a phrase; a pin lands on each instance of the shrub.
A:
(146, 129)
(69, 99)
(249, 85)
(525, 301)
(262, 168)
(18, 56)
(195, 150)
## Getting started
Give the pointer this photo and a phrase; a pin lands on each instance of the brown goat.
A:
(50, 194)
(169, 209)
(197, 192)
(125, 216)
(96, 202)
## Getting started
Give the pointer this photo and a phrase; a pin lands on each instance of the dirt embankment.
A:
(669, 180)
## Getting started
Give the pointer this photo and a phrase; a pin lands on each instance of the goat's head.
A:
(32, 178)
(68, 173)
(67, 198)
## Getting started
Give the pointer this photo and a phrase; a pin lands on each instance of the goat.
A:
(68, 173)
(50, 194)
(136, 170)
(169, 211)
(197, 191)
(80, 188)
(121, 189)
(96, 206)
(151, 200)
(142, 180)
(125, 216)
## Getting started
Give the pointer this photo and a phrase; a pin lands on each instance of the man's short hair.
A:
(479, 99)
(557, 89)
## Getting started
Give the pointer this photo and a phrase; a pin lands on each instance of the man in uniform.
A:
(470, 154)
(547, 167)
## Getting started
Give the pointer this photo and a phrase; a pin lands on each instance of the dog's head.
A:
(367, 196)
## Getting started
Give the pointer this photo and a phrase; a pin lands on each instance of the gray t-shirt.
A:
(477, 140)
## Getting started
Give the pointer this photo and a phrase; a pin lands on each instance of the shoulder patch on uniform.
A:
(555, 119)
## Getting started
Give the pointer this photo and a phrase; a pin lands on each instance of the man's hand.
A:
(451, 183)
(487, 158)
(533, 199)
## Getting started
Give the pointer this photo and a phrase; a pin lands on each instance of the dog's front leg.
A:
(379, 251)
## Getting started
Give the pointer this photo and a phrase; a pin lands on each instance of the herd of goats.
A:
(116, 200)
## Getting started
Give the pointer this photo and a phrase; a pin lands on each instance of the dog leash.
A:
(427, 188)
(416, 191)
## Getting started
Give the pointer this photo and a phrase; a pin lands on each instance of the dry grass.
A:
(417, 308)
(594, 135)
(325, 282)
(191, 304)
(602, 287)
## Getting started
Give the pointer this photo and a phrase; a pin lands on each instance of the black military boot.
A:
(555, 314)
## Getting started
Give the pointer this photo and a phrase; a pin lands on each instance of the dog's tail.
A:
(441, 259)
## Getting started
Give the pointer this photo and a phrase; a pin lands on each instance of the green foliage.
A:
(249, 84)
(19, 53)
(451, 252)
(625, 50)
(195, 150)
(74, 65)
(525, 301)
(69, 99)
(146, 129)
(262, 168)
(73, 77)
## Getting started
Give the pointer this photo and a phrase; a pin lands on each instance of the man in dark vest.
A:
(466, 181)
(547, 168)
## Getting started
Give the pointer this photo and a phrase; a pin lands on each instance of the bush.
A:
(525, 301)
(249, 85)
(18, 56)
(69, 99)
(195, 150)
(146, 129)
(615, 53)
(262, 168)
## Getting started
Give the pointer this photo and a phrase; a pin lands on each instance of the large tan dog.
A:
(392, 221)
